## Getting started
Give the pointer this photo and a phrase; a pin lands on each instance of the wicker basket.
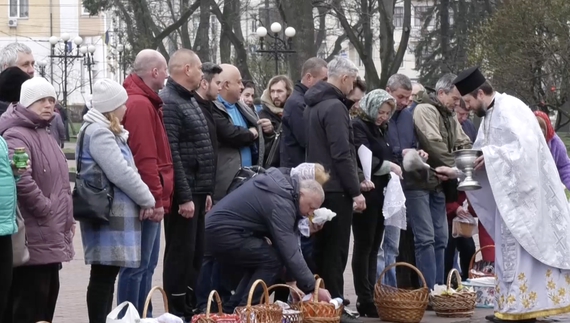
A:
(149, 297)
(460, 304)
(472, 273)
(315, 312)
(262, 313)
(400, 305)
(291, 317)
(215, 318)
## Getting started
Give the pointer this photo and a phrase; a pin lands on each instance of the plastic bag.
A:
(131, 315)
(394, 208)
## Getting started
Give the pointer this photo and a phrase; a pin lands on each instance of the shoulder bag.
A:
(90, 203)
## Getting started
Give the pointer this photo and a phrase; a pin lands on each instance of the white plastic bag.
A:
(131, 315)
(394, 208)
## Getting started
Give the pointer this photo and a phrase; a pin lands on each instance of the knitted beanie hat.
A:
(35, 89)
(108, 96)
(11, 80)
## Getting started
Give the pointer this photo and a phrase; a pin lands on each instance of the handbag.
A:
(274, 147)
(20, 253)
(91, 203)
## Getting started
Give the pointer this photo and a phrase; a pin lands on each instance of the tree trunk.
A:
(202, 41)
(225, 43)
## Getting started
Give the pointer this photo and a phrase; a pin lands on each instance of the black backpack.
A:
(243, 175)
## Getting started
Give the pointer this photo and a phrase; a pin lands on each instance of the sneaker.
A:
(347, 317)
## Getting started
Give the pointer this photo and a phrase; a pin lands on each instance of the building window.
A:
(19, 8)
(84, 12)
(253, 23)
(398, 17)
(420, 15)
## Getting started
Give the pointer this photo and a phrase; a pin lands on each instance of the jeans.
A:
(428, 219)
(135, 283)
(387, 255)
(213, 277)
(100, 292)
(6, 260)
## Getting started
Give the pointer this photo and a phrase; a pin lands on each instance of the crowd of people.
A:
(172, 140)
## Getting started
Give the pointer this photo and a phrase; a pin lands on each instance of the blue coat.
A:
(106, 156)
(7, 193)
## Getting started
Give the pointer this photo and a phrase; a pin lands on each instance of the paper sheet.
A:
(365, 156)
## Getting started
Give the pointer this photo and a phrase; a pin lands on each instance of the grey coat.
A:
(230, 139)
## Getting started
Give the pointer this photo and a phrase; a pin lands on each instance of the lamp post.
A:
(42, 67)
(123, 52)
(280, 46)
(68, 56)
(89, 61)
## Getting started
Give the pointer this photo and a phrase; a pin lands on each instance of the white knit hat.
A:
(108, 96)
(35, 89)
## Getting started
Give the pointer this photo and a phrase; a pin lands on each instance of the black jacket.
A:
(4, 106)
(208, 111)
(266, 113)
(330, 139)
(374, 138)
(265, 206)
(192, 150)
(292, 149)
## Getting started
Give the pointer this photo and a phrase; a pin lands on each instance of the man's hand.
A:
(324, 295)
(479, 163)
(461, 212)
(266, 125)
(157, 215)
(208, 203)
(254, 132)
(366, 186)
(359, 204)
(395, 168)
(186, 210)
(145, 214)
(423, 154)
(314, 228)
(20, 171)
(445, 173)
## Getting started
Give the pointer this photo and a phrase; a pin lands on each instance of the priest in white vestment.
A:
(522, 205)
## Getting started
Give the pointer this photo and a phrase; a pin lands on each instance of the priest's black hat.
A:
(11, 80)
(469, 80)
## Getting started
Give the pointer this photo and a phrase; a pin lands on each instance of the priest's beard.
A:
(480, 110)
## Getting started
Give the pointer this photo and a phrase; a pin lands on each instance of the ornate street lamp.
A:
(123, 52)
(280, 47)
(67, 56)
(89, 61)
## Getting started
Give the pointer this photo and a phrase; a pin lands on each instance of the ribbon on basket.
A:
(220, 317)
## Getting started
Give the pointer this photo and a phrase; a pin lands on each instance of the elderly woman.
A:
(44, 196)
(557, 147)
(107, 160)
(370, 130)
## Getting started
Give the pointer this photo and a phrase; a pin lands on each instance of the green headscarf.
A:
(371, 103)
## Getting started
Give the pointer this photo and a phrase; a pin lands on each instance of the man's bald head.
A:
(150, 66)
(185, 68)
(231, 86)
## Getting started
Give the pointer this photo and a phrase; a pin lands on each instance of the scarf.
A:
(549, 129)
(371, 103)
(94, 116)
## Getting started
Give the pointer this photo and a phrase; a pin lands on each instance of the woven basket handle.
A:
(252, 290)
(319, 283)
(405, 264)
(472, 262)
(291, 288)
(149, 297)
(213, 294)
(451, 273)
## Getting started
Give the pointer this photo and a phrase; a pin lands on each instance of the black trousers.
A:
(183, 254)
(466, 249)
(249, 254)
(5, 271)
(368, 230)
(332, 243)
(37, 285)
(100, 292)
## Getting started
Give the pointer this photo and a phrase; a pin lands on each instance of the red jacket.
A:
(148, 140)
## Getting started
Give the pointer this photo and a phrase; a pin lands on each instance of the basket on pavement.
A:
(220, 317)
(315, 312)
(295, 315)
(458, 304)
(473, 273)
(149, 297)
(261, 313)
(400, 305)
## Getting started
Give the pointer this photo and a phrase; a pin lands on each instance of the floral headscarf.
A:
(371, 103)
(549, 129)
